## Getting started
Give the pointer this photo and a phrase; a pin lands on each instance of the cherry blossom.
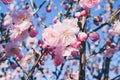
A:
(21, 19)
(50, 36)
(89, 3)
(18, 35)
(12, 49)
(6, 1)
(116, 27)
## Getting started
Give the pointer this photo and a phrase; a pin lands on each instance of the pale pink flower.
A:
(89, 3)
(67, 30)
(6, 1)
(11, 49)
(22, 19)
(116, 27)
(18, 35)
(50, 36)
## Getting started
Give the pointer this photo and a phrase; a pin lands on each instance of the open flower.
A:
(89, 3)
(50, 36)
(12, 49)
(116, 27)
(22, 19)
(18, 35)
(67, 31)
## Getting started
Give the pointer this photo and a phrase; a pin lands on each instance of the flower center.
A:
(13, 50)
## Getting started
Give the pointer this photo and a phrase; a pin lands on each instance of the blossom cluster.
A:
(65, 39)
(20, 27)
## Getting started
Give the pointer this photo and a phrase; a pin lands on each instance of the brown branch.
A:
(82, 60)
(106, 70)
(35, 65)
(115, 13)
(20, 66)
(61, 68)
(39, 7)
(116, 78)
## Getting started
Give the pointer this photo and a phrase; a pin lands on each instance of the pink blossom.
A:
(82, 36)
(108, 52)
(77, 15)
(33, 33)
(22, 19)
(48, 8)
(6, 1)
(59, 50)
(116, 27)
(111, 32)
(67, 30)
(94, 36)
(74, 53)
(18, 35)
(14, 66)
(83, 13)
(89, 3)
(11, 49)
(7, 21)
(68, 50)
(76, 44)
(50, 36)
(18, 57)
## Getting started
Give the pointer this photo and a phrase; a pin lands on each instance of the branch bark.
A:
(82, 60)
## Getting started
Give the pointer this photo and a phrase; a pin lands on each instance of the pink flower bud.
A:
(43, 46)
(14, 66)
(74, 53)
(112, 45)
(33, 33)
(50, 49)
(96, 23)
(48, 8)
(111, 32)
(100, 19)
(84, 13)
(42, 62)
(66, 7)
(18, 57)
(6, 1)
(82, 36)
(94, 36)
(76, 44)
(40, 42)
(63, 2)
(108, 42)
(77, 15)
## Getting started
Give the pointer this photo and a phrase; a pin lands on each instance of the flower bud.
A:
(94, 36)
